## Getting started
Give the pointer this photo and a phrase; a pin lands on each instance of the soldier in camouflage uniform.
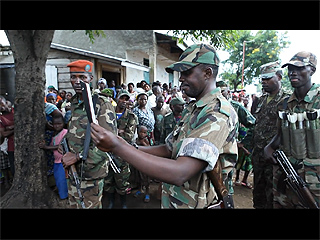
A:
(299, 140)
(171, 119)
(265, 129)
(93, 171)
(206, 129)
(247, 120)
(127, 123)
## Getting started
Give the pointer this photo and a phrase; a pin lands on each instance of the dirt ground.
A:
(242, 197)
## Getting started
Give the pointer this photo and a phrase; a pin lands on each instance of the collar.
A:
(208, 97)
(310, 96)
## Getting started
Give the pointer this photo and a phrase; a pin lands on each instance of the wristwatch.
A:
(79, 156)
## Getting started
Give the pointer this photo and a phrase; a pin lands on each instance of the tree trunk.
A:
(30, 189)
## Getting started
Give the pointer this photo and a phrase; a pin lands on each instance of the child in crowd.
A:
(58, 170)
(143, 179)
(142, 139)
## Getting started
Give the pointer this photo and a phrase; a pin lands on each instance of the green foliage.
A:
(94, 33)
(262, 48)
(223, 39)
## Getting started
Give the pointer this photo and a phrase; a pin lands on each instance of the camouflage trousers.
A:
(118, 182)
(262, 180)
(90, 190)
(284, 196)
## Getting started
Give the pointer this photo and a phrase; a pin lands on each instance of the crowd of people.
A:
(144, 128)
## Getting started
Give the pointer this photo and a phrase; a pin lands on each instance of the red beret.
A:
(81, 66)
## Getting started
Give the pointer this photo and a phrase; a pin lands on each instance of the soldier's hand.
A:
(68, 159)
(268, 155)
(105, 140)
(60, 149)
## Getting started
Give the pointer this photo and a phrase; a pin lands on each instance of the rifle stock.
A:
(73, 173)
(216, 178)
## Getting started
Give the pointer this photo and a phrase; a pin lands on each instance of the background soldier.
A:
(171, 119)
(127, 123)
(247, 120)
(93, 171)
(206, 129)
(300, 138)
(265, 129)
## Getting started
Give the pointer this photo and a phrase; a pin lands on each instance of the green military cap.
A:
(193, 56)
(124, 93)
(222, 84)
(177, 100)
(268, 70)
(302, 59)
(108, 92)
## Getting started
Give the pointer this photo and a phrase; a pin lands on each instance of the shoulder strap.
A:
(88, 131)
(285, 103)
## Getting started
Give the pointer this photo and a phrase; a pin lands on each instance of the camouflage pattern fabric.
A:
(91, 191)
(119, 182)
(167, 125)
(268, 70)
(127, 125)
(302, 59)
(308, 168)
(265, 129)
(194, 55)
(95, 168)
(266, 116)
(206, 129)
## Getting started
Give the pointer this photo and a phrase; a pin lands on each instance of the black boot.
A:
(123, 200)
(111, 200)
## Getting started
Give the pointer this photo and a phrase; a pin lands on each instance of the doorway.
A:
(109, 76)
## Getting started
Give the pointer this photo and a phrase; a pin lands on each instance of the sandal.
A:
(237, 183)
(147, 198)
(247, 185)
(137, 194)
(128, 190)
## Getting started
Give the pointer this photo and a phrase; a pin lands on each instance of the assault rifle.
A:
(295, 182)
(225, 199)
(74, 173)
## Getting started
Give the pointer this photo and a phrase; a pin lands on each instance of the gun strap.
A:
(88, 130)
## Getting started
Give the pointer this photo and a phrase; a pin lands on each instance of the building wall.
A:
(115, 43)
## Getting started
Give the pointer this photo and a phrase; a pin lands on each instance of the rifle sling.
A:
(88, 130)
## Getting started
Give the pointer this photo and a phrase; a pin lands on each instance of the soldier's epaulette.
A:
(224, 106)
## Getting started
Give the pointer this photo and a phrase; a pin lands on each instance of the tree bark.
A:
(29, 189)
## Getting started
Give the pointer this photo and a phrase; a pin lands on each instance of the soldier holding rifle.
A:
(94, 169)
(206, 129)
(299, 138)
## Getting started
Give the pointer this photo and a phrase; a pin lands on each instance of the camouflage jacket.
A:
(95, 167)
(167, 125)
(266, 115)
(206, 129)
(247, 120)
(306, 140)
(127, 125)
